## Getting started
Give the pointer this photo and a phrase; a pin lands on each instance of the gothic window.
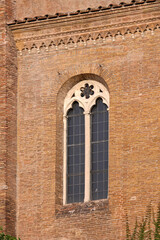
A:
(75, 154)
(99, 150)
(86, 122)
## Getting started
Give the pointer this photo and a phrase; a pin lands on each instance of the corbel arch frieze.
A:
(87, 39)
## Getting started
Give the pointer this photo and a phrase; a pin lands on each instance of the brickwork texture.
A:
(32, 91)
(8, 132)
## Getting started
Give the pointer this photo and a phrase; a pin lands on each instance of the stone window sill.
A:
(83, 208)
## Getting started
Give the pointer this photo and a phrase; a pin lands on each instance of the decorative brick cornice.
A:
(110, 7)
(88, 28)
(87, 39)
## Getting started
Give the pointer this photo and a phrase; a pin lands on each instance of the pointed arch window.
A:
(86, 127)
(99, 150)
(75, 154)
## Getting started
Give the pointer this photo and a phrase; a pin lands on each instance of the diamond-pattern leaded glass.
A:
(99, 150)
(75, 154)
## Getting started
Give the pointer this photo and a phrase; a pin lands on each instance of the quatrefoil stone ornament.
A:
(87, 90)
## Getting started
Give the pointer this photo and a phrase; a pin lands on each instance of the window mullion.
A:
(65, 162)
(87, 157)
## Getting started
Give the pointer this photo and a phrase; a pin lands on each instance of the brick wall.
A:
(130, 69)
(2, 114)
(31, 112)
(41, 7)
(11, 139)
(8, 71)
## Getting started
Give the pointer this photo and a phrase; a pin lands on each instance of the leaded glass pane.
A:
(99, 150)
(75, 154)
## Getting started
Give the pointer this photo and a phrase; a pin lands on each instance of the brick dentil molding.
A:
(87, 29)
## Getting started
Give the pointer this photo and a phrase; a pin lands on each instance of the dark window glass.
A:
(75, 154)
(99, 150)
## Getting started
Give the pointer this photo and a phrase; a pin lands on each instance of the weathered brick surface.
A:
(31, 113)
(8, 81)
(130, 69)
(2, 115)
(11, 164)
(41, 7)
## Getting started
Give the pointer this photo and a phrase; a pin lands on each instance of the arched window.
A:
(75, 154)
(86, 123)
(99, 150)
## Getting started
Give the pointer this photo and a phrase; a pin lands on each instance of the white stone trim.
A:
(87, 158)
(86, 103)
(65, 161)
